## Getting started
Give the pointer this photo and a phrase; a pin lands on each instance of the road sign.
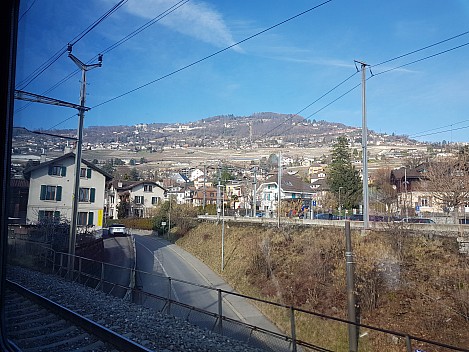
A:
(314, 203)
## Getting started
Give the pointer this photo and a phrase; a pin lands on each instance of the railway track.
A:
(35, 324)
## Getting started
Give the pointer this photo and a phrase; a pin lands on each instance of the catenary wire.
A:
(43, 67)
(201, 60)
(307, 106)
(381, 63)
(421, 49)
(439, 128)
(113, 46)
(26, 11)
(211, 55)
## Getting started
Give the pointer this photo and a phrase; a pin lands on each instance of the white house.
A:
(140, 198)
(292, 188)
(51, 187)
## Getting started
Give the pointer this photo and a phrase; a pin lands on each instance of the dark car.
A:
(327, 216)
(356, 217)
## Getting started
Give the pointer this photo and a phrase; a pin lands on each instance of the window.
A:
(154, 200)
(57, 170)
(51, 193)
(85, 172)
(48, 215)
(148, 188)
(86, 195)
(85, 218)
(424, 202)
(138, 200)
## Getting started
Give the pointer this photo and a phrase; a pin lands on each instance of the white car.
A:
(117, 230)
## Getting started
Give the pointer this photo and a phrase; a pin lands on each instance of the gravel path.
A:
(151, 329)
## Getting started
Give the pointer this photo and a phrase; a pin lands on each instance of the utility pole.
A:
(254, 198)
(351, 302)
(364, 148)
(279, 188)
(205, 175)
(218, 193)
(81, 116)
(223, 232)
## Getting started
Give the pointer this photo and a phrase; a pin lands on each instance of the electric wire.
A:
(421, 49)
(26, 11)
(439, 128)
(43, 67)
(439, 132)
(307, 106)
(381, 63)
(113, 46)
(212, 55)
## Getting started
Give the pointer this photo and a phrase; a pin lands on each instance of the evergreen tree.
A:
(343, 176)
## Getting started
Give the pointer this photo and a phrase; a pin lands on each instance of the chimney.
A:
(43, 156)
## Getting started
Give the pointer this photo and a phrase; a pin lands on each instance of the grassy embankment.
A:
(404, 283)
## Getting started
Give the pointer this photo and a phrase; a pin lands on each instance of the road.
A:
(158, 259)
(119, 257)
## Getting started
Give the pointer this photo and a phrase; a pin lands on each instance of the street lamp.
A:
(340, 205)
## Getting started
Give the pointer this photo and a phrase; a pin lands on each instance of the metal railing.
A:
(307, 331)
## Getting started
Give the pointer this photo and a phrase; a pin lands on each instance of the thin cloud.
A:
(194, 19)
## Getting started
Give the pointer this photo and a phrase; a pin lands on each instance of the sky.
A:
(173, 71)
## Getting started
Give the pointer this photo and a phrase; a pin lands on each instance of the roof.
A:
(290, 183)
(128, 185)
(19, 183)
(27, 172)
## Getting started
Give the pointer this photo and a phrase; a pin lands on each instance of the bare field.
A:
(197, 157)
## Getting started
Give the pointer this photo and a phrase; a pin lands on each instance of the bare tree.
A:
(448, 180)
(385, 192)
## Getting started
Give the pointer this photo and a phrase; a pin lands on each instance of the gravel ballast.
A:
(145, 326)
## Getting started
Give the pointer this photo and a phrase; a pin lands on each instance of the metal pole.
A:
(169, 295)
(293, 328)
(405, 201)
(220, 312)
(81, 117)
(223, 232)
(254, 208)
(351, 304)
(279, 188)
(169, 217)
(218, 193)
(205, 175)
(364, 148)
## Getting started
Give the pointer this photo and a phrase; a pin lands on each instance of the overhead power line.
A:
(356, 86)
(43, 67)
(115, 45)
(26, 11)
(212, 55)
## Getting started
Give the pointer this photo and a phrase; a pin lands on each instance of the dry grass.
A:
(404, 283)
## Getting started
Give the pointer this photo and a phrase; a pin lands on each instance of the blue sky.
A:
(282, 70)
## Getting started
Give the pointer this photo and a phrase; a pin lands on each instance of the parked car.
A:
(117, 230)
(418, 220)
(327, 216)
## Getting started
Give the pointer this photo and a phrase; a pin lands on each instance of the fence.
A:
(307, 331)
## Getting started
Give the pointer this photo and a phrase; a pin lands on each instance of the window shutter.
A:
(64, 171)
(41, 215)
(92, 194)
(43, 192)
(50, 170)
(90, 218)
(58, 195)
(88, 173)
